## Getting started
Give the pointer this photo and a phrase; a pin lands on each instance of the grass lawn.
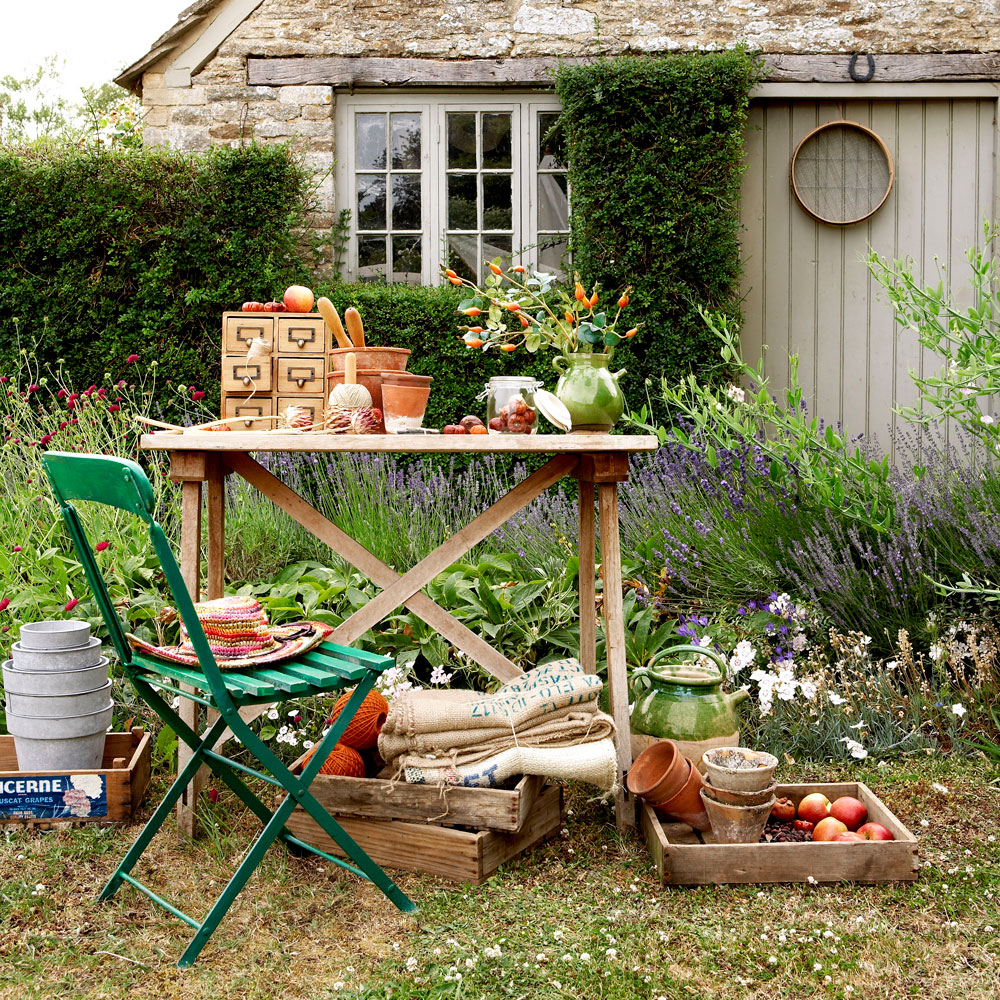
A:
(580, 917)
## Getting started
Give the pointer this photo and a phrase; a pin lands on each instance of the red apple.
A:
(783, 810)
(814, 807)
(298, 299)
(827, 829)
(849, 810)
(875, 831)
(847, 837)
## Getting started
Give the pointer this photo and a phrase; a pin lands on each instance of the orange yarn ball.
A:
(362, 731)
(343, 760)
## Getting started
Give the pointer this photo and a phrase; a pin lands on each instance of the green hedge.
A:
(106, 254)
(655, 149)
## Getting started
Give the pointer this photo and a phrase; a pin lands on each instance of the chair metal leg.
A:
(161, 812)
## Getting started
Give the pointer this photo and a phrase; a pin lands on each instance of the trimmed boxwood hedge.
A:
(655, 149)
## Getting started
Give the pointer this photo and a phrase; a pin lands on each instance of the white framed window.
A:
(435, 178)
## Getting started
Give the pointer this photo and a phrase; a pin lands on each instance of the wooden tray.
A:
(459, 855)
(502, 809)
(684, 857)
(37, 798)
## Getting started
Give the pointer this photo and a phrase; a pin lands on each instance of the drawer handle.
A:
(302, 341)
(301, 379)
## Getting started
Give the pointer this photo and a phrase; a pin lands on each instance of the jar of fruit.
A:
(510, 404)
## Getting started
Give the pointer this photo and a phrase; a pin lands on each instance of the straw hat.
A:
(239, 636)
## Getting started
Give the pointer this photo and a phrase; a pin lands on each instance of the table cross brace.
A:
(405, 589)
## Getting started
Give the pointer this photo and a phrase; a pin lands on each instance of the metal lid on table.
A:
(553, 409)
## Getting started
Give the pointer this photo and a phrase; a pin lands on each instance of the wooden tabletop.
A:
(248, 441)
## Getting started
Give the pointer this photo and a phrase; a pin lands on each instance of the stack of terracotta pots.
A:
(738, 793)
(399, 394)
(670, 783)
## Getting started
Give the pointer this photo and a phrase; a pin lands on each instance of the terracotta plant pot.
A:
(658, 773)
(734, 779)
(740, 798)
(370, 378)
(404, 406)
(737, 824)
(687, 805)
(392, 359)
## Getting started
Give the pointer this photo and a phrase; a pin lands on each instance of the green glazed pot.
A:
(589, 390)
(683, 701)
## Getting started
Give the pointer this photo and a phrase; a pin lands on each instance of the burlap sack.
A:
(595, 763)
(544, 690)
(563, 729)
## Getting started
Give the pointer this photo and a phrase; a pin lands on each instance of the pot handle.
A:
(555, 364)
(720, 663)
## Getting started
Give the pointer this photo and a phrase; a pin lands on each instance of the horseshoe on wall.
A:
(852, 68)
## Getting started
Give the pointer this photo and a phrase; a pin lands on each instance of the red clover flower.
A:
(70, 605)
(101, 546)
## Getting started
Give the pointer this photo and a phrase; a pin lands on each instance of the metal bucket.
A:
(75, 743)
(54, 681)
(58, 706)
(54, 634)
(70, 658)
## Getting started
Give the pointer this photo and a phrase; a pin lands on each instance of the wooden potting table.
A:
(594, 460)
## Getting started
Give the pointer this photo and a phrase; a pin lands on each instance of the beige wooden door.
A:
(806, 287)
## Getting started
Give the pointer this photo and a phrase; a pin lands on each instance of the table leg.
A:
(588, 622)
(215, 584)
(614, 634)
(188, 710)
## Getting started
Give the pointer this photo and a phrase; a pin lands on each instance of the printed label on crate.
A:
(54, 796)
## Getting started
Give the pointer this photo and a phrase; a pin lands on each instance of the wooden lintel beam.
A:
(371, 71)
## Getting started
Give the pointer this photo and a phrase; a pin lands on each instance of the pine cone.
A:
(367, 420)
(338, 420)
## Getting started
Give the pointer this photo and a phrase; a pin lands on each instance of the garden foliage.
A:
(655, 161)
(104, 254)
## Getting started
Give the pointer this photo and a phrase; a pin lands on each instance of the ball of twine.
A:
(362, 731)
(345, 761)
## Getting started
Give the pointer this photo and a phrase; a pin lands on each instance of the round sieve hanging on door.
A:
(841, 173)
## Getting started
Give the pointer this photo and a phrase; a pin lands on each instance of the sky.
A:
(96, 38)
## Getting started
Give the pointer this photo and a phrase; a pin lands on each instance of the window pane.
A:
(371, 253)
(497, 243)
(406, 201)
(462, 202)
(371, 201)
(497, 211)
(553, 201)
(370, 154)
(463, 256)
(462, 140)
(496, 141)
(405, 142)
(551, 148)
(406, 260)
(552, 253)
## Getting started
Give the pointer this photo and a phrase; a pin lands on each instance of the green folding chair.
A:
(324, 669)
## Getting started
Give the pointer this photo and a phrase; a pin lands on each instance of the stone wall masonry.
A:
(221, 108)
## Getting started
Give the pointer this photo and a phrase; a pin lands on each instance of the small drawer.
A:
(302, 335)
(241, 328)
(313, 405)
(301, 375)
(240, 376)
(245, 413)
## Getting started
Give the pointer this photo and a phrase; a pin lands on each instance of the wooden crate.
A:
(449, 852)
(502, 809)
(684, 857)
(36, 798)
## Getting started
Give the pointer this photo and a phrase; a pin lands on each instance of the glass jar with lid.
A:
(510, 404)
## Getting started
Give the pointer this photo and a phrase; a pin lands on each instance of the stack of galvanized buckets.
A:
(59, 704)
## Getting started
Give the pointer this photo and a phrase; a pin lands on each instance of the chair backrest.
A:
(118, 482)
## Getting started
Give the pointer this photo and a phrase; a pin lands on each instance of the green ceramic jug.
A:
(684, 701)
(589, 390)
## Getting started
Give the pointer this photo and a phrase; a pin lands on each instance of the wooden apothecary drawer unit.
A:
(293, 375)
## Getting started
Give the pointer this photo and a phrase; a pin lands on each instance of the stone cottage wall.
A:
(220, 107)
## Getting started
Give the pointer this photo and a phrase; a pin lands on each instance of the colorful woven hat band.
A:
(236, 628)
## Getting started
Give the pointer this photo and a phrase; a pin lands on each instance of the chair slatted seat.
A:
(325, 669)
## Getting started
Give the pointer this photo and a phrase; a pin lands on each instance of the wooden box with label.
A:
(292, 374)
